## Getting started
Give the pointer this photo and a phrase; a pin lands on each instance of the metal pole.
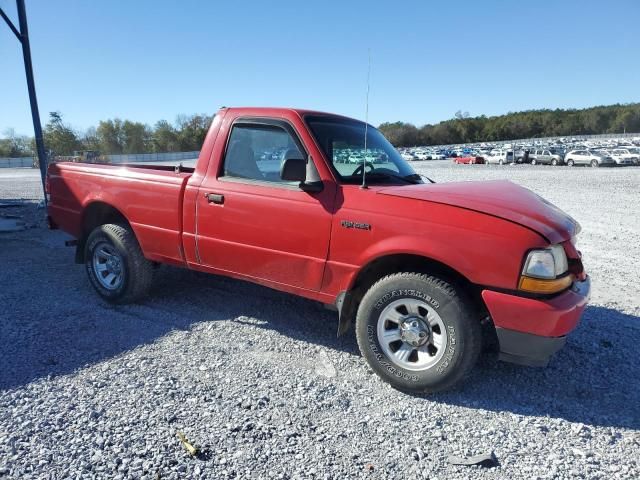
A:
(35, 114)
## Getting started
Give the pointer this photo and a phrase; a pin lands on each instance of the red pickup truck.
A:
(297, 201)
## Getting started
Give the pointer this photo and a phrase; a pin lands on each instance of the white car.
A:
(635, 151)
(422, 156)
(586, 157)
(622, 156)
(500, 157)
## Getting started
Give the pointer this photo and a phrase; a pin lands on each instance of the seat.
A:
(240, 162)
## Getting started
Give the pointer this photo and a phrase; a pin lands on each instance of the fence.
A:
(126, 158)
(17, 162)
(152, 157)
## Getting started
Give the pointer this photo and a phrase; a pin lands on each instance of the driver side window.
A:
(255, 151)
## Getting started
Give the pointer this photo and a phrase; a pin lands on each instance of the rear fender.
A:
(97, 213)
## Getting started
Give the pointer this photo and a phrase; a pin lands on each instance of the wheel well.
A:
(398, 263)
(94, 215)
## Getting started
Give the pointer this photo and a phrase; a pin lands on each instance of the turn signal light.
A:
(545, 286)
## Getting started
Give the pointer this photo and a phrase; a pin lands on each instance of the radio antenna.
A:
(366, 124)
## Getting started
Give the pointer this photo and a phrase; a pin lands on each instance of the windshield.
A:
(342, 141)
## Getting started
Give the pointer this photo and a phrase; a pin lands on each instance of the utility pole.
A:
(23, 37)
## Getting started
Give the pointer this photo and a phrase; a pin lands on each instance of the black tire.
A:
(463, 335)
(136, 271)
(570, 163)
(500, 162)
(594, 164)
(554, 162)
(533, 161)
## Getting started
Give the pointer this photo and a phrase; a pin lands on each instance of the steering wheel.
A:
(359, 168)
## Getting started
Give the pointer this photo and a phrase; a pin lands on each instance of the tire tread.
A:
(473, 341)
(140, 270)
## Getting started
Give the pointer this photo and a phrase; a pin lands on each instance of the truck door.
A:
(252, 223)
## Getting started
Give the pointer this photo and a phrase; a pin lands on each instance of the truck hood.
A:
(498, 198)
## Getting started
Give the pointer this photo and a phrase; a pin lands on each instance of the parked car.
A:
(470, 160)
(506, 258)
(500, 157)
(545, 157)
(622, 156)
(586, 157)
(635, 151)
(523, 156)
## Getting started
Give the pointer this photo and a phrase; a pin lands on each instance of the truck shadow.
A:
(594, 380)
(62, 328)
(56, 324)
(587, 382)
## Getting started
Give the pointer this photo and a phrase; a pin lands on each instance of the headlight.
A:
(545, 271)
(548, 263)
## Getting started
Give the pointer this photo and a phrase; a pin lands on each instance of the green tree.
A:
(516, 125)
(90, 139)
(15, 145)
(165, 138)
(59, 137)
(110, 137)
(136, 137)
(191, 130)
(400, 133)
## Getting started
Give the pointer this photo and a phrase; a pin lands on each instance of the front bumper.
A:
(531, 330)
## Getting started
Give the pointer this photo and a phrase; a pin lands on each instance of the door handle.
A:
(216, 198)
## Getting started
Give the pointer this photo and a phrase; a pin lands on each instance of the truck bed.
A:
(149, 196)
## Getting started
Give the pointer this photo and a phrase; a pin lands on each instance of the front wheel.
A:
(115, 264)
(594, 163)
(417, 332)
(533, 161)
(570, 163)
(554, 162)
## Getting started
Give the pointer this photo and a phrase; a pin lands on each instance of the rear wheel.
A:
(417, 332)
(533, 161)
(570, 163)
(594, 163)
(554, 162)
(501, 162)
(115, 264)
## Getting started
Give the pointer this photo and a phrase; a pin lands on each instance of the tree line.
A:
(516, 125)
(113, 137)
(188, 131)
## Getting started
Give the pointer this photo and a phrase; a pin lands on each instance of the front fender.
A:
(485, 250)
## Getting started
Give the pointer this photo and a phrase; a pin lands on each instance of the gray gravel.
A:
(259, 382)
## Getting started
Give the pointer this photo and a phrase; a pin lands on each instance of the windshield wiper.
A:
(420, 176)
(413, 179)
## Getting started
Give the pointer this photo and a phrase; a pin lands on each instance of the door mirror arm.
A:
(312, 187)
(296, 169)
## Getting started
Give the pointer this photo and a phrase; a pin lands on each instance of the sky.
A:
(148, 60)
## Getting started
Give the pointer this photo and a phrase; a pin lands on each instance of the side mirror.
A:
(296, 169)
(293, 167)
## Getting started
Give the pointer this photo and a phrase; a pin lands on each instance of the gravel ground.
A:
(260, 383)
